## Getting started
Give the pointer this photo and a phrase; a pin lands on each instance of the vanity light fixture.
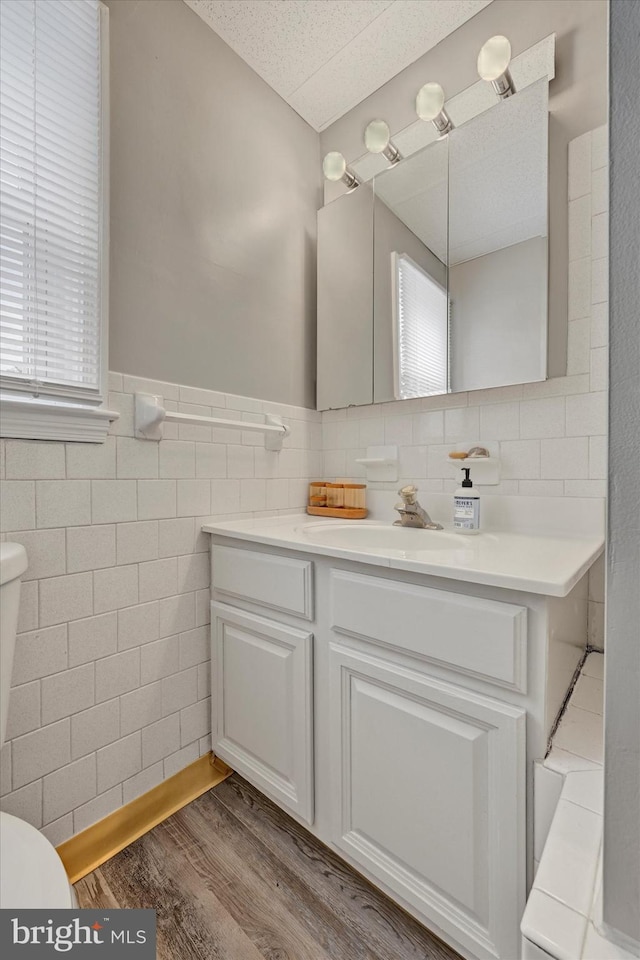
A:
(377, 139)
(493, 66)
(334, 167)
(430, 106)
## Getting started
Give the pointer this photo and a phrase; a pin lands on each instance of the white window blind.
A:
(421, 331)
(50, 198)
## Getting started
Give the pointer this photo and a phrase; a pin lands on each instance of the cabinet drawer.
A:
(276, 582)
(483, 638)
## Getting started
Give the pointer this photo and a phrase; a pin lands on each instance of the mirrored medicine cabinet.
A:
(432, 275)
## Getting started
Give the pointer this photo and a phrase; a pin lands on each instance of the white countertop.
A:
(541, 564)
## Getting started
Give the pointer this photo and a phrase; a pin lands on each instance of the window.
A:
(421, 331)
(53, 239)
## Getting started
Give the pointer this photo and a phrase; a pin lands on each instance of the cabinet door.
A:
(262, 704)
(429, 797)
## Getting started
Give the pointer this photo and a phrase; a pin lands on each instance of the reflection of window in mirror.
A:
(420, 331)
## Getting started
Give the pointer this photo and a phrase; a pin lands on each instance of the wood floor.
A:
(234, 878)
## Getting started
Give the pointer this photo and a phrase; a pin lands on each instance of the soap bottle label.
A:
(466, 514)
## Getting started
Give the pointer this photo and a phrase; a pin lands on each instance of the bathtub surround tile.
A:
(542, 418)
(194, 498)
(25, 803)
(204, 681)
(599, 369)
(159, 659)
(193, 572)
(158, 578)
(176, 614)
(211, 460)
(587, 415)
(119, 761)
(63, 503)
(92, 638)
(46, 553)
(91, 461)
(138, 625)
(194, 647)
(203, 609)
(580, 166)
(95, 728)
(24, 709)
(66, 598)
(195, 721)
(28, 616)
(113, 501)
(160, 739)
(115, 587)
(600, 190)
(117, 674)
(90, 548)
(59, 830)
(580, 228)
(18, 505)
(566, 458)
(225, 496)
(140, 708)
(179, 690)
(40, 653)
(599, 324)
(156, 499)
(176, 537)
(40, 752)
(500, 421)
(67, 693)
(34, 460)
(68, 788)
(137, 541)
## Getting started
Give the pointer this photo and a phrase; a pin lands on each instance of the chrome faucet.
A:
(411, 513)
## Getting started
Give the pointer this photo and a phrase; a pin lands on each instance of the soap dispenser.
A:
(466, 507)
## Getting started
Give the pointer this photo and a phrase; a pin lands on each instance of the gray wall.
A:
(578, 102)
(621, 877)
(215, 183)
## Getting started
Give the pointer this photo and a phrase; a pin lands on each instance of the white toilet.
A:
(31, 872)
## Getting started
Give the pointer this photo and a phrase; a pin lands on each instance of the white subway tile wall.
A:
(111, 687)
(551, 435)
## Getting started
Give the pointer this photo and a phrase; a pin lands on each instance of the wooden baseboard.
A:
(87, 850)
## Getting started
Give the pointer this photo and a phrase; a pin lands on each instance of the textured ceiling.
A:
(325, 56)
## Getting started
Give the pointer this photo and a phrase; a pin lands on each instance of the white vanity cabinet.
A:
(394, 714)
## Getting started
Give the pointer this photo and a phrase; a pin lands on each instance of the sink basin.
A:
(382, 538)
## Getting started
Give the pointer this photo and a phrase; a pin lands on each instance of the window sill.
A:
(30, 418)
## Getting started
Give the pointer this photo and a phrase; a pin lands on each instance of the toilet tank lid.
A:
(13, 561)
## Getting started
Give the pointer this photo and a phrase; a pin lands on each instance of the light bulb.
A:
(430, 101)
(494, 58)
(334, 166)
(430, 106)
(377, 139)
(493, 65)
(376, 136)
